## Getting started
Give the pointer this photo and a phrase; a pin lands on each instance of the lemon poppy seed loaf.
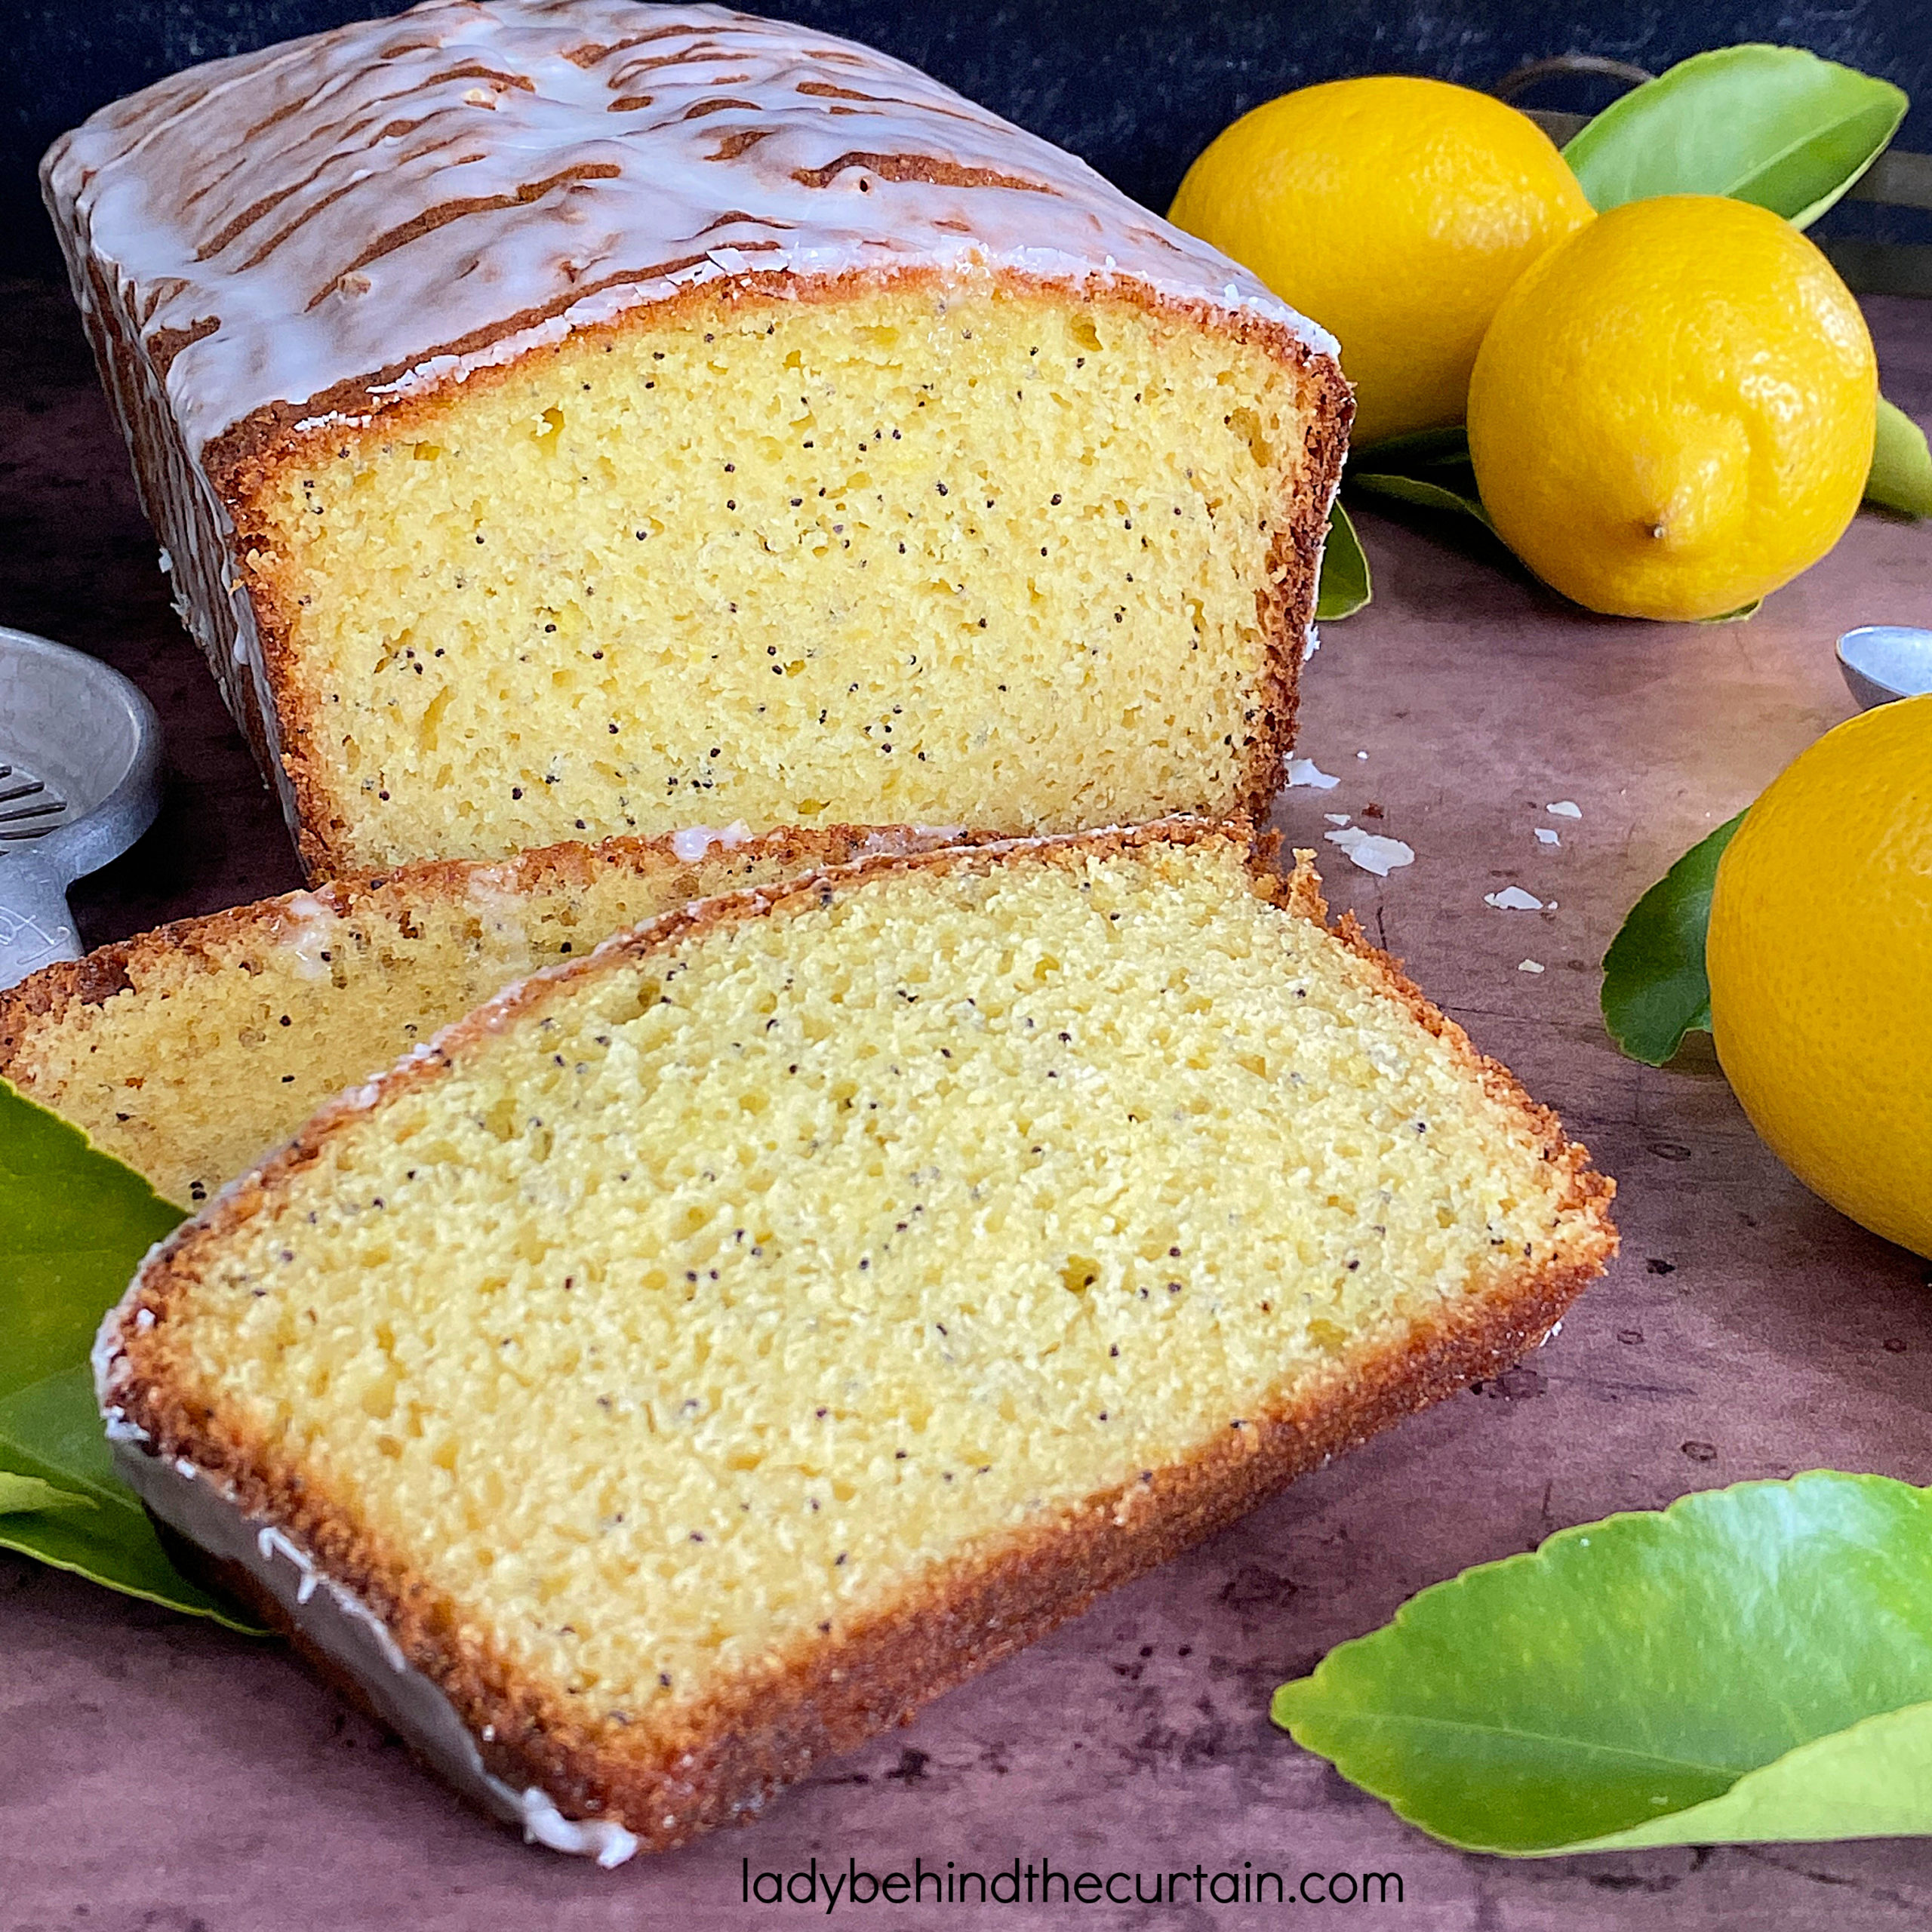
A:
(574, 417)
(191, 1052)
(705, 1353)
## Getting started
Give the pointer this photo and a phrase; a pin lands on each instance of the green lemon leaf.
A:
(25, 1495)
(1429, 493)
(1345, 586)
(1654, 987)
(1751, 1664)
(74, 1224)
(50, 1431)
(1901, 475)
(1774, 125)
(1431, 468)
(1414, 454)
(1741, 615)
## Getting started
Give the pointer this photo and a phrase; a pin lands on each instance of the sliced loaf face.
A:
(190, 1052)
(704, 1354)
(567, 498)
(944, 549)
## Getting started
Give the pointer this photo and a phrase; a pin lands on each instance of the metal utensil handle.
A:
(35, 927)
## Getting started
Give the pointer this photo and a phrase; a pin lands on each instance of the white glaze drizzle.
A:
(603, 1839)
(309, 930)
(399, 201)
(503, 912)
(691, 842)
(272, 1542)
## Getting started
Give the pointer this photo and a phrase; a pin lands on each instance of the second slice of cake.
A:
(192, 1051)
(706, 1353)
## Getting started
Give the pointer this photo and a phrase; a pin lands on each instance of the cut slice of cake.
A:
(705, 1353)
(192, 1051)
(572, 415)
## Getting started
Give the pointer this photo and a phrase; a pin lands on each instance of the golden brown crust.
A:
(1286, 605)
(244, 463)
(719, 1762)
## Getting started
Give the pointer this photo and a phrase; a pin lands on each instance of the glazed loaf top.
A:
(392, 203)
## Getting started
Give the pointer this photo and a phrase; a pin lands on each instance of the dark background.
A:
(1138, 88)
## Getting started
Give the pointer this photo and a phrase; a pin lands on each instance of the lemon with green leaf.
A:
(1673, 412)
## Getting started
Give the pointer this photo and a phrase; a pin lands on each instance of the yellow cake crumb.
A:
(912, 554)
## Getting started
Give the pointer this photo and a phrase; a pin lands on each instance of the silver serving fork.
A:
(80, 781)
(27, 808)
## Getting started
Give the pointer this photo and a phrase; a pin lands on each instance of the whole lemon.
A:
(1673, 410)
(1394, 211)
(1819, 953)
